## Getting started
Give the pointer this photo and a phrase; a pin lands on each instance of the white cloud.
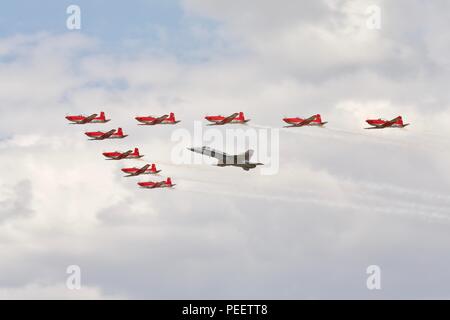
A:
(344, 197)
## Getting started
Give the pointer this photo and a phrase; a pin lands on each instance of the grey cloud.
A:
(344, 198)
(18, 202)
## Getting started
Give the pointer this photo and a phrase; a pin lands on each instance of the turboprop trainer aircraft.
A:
(241, 160)
(161, 184)
(147, 169)
(381, 124)
(117, 155)
(151, 120)
(112, 134)
(315, 120)
(93, 118)
(221, 120)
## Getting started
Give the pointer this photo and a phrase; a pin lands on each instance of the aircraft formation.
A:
(240, 160)
(129, 154)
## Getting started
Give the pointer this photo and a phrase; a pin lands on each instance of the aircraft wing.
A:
(305, 122)
(106, 135)
(89, 119)
(156, 185)
(142, 170)
(157, 120)
(389, 123)
(124, 155)
(160, 119)
(228, 119)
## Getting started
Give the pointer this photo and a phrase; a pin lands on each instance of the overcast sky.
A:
(342, 198)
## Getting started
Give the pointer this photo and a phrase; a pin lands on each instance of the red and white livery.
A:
(161, 184)
(315, 120)
(112, 134)
(382, 124)
(152, 120)
(221, 120)
(147, 169)
(93, 118)
(117, 155)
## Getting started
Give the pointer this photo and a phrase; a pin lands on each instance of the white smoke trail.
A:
(319, 201)
(369, 189)
(344, 135)
(360, 201)
(316, 132)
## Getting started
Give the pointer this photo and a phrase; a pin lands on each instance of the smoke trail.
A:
(220, 179)
(343, 135)
(360, 201)
(318, 201)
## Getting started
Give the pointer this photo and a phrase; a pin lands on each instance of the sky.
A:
(329, 202)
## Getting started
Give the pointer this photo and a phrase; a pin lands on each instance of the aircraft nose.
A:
(190, 149)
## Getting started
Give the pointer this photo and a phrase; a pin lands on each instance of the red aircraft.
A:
(144, 170)
(381, 124)
(93, 118)
(221, 120)
(117, 155)
(112, 134)
(160, 184)
(315, 120)
(151, 120)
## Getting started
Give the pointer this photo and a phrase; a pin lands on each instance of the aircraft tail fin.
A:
(153, 168)
(169, 181)
(171, 116)
(136, 151)
(246, 155)
(241, 116)
(400, 120)
(102, 115)
(120, 131)
(318, 118)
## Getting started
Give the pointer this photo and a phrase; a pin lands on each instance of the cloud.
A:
(344, 198)
(18, 204)
(55, 292)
